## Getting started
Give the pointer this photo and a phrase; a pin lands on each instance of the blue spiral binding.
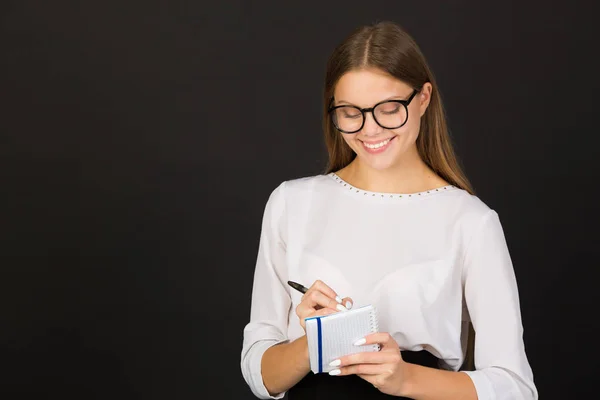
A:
(320, 344)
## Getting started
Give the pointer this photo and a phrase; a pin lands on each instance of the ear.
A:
(424, 97)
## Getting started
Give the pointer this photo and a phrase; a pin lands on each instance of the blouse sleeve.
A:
(502, 371)
(270, 301)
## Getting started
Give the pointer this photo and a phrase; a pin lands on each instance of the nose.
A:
(371, 128)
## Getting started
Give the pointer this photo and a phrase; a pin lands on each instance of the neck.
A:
(409, 175)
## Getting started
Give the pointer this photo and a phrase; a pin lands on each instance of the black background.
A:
(140, 141)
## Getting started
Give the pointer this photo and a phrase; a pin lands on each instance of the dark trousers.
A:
(325, 387)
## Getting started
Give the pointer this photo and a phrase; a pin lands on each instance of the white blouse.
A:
(428, 261)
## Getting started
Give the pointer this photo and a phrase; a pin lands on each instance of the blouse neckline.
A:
(379, 195)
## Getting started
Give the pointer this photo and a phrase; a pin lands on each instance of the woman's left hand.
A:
(384, 369)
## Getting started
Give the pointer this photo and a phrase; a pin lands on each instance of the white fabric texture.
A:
(428, 261)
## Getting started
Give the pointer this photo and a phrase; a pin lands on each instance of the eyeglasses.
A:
(389, 114)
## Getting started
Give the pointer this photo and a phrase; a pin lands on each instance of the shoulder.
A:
(306, 184)
(469, 210)
(297, 190)
(480, 228)
(299, 187)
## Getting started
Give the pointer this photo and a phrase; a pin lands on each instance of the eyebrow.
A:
(396, 97)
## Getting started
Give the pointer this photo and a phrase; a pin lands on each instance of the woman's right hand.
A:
(320, 300)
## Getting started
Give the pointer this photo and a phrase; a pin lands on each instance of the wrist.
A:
(407, 381)
(302, 343)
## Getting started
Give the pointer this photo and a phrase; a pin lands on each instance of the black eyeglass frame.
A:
(405, 103)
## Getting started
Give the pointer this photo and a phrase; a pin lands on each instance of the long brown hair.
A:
(386, 46)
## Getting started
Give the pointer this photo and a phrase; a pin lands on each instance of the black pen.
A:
(304, 289)
(298, 287)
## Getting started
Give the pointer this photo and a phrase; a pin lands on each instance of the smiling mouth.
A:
(378, 145)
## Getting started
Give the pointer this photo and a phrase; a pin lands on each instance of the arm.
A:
(270, 364)
(502, 370)
(491, 293)
(425, 383)
(388, 372)
(285, 365)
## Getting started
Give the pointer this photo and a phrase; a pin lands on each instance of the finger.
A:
(361, 369)
(322, 312)
(322, 287)
(304, 311)
(347, 302)
(382, 338)
(367, 357)
(314, 298)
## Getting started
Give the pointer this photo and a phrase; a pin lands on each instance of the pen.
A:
(304, 289)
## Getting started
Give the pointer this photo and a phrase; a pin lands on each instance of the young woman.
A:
(394, 223)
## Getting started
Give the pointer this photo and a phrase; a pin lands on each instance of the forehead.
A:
(366, 87)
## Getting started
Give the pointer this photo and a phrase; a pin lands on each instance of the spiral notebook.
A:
(332, 336)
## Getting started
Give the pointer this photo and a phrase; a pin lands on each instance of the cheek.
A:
(349, 139)
(409, 132)
(413, 125)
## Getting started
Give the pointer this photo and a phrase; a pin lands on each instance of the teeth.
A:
(378, 145)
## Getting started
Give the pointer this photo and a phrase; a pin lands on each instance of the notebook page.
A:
(339, 331)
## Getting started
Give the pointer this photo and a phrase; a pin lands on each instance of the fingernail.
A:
(341, 307)
(338, 299)
(335, 363)
(360, 342)
(348, 304)
(335, 372)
